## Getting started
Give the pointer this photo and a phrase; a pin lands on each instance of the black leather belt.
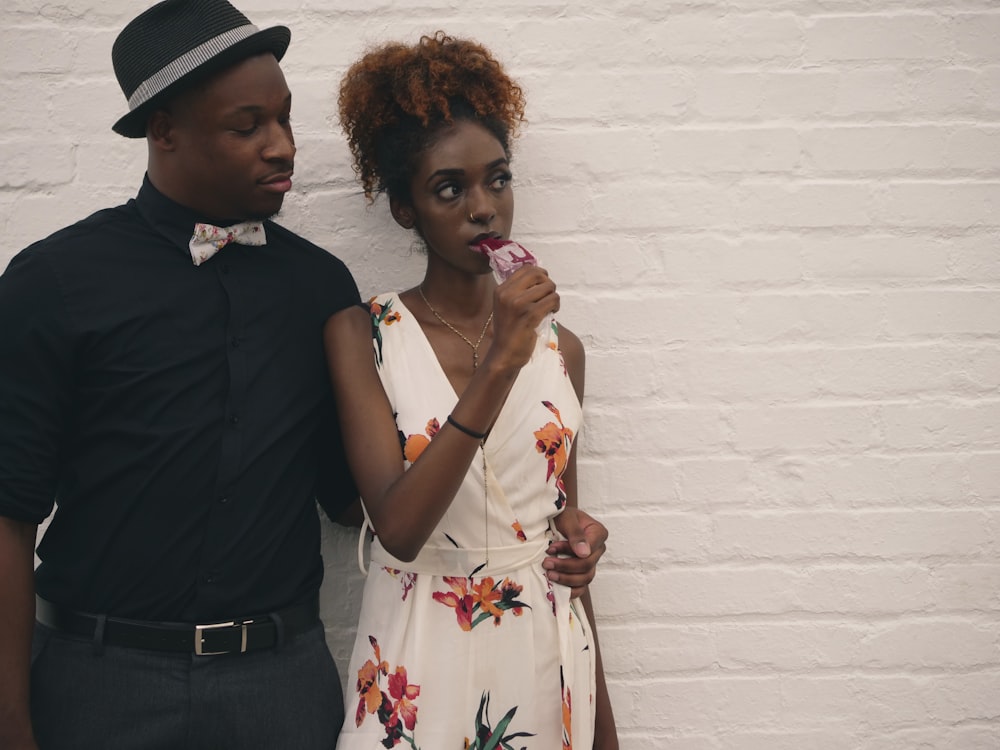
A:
(230, 637)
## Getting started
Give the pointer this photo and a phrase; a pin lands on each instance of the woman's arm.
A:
(605, 731)
(405, 507)
(573, 561)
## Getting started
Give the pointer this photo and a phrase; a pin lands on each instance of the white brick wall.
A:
(775, 224)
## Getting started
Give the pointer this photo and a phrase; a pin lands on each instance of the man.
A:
(162, 379)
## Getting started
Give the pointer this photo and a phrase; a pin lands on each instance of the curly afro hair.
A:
(395, 100)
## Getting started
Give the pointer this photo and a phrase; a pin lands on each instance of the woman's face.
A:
(461, 193)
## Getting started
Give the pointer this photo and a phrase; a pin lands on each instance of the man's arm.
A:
(17, 616)
(573, 561)
(36, 370)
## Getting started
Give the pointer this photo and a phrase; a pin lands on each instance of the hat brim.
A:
(274, 40)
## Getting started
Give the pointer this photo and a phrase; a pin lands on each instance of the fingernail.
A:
(582, 549)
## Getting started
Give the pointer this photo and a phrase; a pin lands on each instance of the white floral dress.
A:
(452, 651)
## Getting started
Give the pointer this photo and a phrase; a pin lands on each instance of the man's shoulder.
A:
(100, 226)
(293, 239)
(305, 249)
(318, 273)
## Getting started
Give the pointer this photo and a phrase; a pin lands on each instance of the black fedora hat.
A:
(176, 43)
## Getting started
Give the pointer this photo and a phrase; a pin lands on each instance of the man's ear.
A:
(403, 213)
(160, 130)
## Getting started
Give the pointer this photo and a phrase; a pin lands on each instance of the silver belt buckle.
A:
(199, 637)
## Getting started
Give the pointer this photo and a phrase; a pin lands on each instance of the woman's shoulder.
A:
(574, 358)
(385, 308)
(570, 344)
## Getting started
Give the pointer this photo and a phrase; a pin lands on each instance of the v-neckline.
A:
(443, 376)
(427, 344)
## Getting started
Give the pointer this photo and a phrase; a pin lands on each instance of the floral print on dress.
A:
(474, 603)
(519, 531)
(406, 579)
(414, 445)
(550, 596)
(567, 713)
(395, 709)
(381, 313)
(553, 441)
(487, 737)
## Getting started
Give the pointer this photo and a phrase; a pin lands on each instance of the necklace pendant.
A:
(466, 339)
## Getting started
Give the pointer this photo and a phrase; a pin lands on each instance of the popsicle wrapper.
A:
(505, 257)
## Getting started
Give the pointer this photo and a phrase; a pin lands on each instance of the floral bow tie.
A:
(207, 239)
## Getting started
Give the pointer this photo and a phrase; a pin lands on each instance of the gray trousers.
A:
(108, 697)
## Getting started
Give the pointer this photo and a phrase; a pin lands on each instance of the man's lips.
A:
(279, 183)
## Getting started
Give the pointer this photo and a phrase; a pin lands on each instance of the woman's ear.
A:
(403, 213)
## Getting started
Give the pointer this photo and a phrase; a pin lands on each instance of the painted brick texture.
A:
(776, 226)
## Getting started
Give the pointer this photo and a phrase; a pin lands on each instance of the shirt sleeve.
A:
(36, 357)
(339, 290)
(335, 488)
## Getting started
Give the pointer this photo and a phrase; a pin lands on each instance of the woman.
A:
(462, 641)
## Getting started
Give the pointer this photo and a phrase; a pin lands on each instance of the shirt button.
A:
(235, 342)
(235, 419)
(223, 500)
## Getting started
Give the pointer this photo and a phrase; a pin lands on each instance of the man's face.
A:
(233, 148)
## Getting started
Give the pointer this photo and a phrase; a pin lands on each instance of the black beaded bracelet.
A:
(466, 430)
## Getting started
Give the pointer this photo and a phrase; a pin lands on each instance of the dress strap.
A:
(365, 526)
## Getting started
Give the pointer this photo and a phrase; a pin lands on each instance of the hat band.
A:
(187, 63)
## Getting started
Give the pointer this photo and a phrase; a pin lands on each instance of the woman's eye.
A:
(448, 191)
(501, 181)
(245, 131)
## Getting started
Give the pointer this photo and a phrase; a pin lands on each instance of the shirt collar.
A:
(169, 218)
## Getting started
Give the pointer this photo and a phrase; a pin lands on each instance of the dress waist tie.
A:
(470, 562)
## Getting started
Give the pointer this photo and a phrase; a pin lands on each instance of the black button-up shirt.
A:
(181, 417)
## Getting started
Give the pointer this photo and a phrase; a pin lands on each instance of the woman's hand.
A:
(519, 306)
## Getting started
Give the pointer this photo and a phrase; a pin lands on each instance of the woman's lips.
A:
(505, 256)
(484, 243)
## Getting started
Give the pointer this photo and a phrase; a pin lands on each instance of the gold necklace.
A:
(482, 334)
(482, 443)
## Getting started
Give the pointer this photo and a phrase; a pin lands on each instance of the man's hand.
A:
(17, 617)
(19, 742)
(573, 562)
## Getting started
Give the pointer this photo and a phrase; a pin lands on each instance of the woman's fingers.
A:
(529, 292)
(520, 305)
